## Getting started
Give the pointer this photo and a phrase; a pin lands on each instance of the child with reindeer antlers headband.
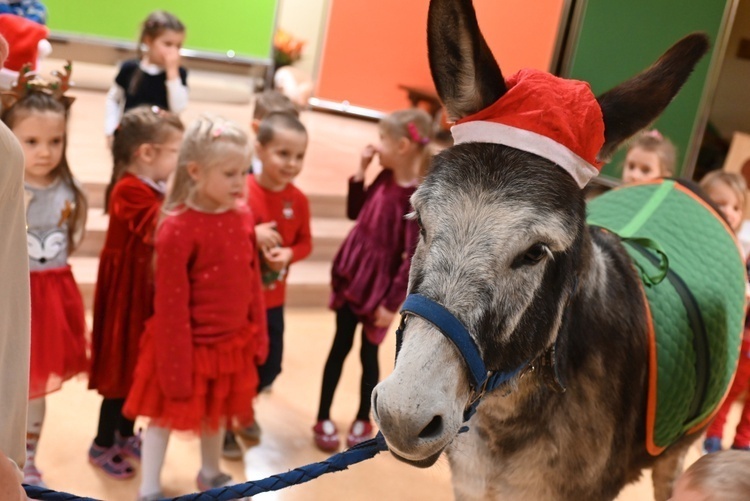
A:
(36, 111)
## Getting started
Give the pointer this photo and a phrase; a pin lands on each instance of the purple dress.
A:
(372, 266)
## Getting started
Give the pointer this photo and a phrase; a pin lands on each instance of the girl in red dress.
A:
(371, 270)
(145, 151)
(196, 369)
(36, 112)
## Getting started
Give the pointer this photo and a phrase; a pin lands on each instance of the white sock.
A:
(211, 444)
(153, 450)
(34, 421)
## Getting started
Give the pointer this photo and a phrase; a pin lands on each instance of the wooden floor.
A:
(287, 413)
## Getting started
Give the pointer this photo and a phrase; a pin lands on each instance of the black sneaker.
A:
(231, 449)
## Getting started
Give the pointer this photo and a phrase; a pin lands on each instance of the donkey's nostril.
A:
(433, 428)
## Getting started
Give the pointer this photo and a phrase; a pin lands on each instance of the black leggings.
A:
(346, 324)
(112, 420)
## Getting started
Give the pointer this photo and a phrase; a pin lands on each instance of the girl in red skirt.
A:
(196, 369)
(37, 113)
(144, 150)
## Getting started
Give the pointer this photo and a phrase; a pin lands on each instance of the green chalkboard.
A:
(245, 27)
(618, 39)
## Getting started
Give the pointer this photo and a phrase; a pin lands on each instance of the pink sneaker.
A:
(130, 447)
(360, 431)
(326, 436)
(110, 461)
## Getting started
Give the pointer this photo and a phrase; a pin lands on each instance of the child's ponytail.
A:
(141, 125)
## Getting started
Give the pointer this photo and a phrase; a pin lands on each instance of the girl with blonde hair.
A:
(196, 370)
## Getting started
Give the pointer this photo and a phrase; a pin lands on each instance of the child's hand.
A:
(171, 57)
(266, 236)
(368, 153)
(278, 258)
(383, 316)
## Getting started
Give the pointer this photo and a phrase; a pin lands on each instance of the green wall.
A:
(618, 39)
(243, 26)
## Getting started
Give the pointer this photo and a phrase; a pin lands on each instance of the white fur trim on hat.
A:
(498, 133)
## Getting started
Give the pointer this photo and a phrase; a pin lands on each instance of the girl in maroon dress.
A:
(145, 151)
(196, 369)
(36, 112)
(371, 270)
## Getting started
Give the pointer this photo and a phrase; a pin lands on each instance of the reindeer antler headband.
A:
(28, 82)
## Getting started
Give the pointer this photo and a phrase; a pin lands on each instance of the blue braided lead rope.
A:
(338, 462)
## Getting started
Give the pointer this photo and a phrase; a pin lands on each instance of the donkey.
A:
(505, 249)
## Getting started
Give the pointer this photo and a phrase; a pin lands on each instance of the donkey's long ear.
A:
(634, 104)
(466, 75)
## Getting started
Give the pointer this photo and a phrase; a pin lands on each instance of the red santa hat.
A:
(555, 118)
(23, 36)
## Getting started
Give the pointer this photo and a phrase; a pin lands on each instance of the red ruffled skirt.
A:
(225, 380)
(58, 331)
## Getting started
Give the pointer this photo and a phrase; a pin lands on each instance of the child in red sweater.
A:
(282, 215)
(196, 369)
(145, 151)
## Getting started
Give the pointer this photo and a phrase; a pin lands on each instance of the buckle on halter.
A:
(479, 393)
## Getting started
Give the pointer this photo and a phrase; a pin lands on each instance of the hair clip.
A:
(157, 111)
(655, 134)
(415, 135)
(217, 132)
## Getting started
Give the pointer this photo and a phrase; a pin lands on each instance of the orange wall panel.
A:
(372, 47)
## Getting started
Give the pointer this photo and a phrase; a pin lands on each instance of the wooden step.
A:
(308, 284)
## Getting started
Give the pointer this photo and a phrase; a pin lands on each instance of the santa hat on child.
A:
(555, 118)
(23, 36)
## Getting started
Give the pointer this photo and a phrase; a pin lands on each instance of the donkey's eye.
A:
(421, 227)
(535, 254)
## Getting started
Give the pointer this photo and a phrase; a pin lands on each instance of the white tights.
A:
(34, 420)
(154, 449)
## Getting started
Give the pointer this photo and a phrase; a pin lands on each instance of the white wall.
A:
(305, 19)
(731, 108)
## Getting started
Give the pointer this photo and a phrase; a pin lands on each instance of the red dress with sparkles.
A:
(197, 367)
(372, 266)
(125, 285)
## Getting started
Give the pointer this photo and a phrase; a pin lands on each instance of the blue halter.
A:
(481, 380)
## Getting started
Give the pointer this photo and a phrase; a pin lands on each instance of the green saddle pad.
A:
(694, 280)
